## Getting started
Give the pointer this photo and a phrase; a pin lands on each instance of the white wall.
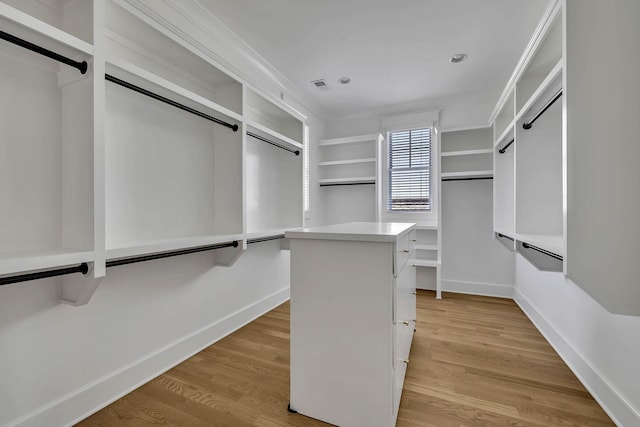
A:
(60, 362)
(473, 261)
(601, 348)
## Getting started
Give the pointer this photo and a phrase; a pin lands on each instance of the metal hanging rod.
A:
(142, 258)
(503, 149)
(544, 251)
(82, 268)
(160, 98)
(467, 179)
(265, 239)
(253, 135)
(541, 112)
(337, 184)
(505, 237)
(81, 66)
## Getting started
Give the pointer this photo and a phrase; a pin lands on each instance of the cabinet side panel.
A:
(603, 201)
(341, 331)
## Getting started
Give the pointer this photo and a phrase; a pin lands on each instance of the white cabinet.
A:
(529, 187)
(353, 311)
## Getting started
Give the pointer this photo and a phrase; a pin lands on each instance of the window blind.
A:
(409, 186)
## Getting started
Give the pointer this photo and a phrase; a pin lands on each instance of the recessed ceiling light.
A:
(458, 57)
(344, 80)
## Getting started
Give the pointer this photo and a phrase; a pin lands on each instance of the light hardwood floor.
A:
(475, 361)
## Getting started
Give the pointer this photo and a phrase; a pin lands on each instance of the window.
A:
(409, 184)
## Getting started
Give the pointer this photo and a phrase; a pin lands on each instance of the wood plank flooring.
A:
(475, 361)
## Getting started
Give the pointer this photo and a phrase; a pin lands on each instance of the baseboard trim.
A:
(614, 403)
(477, 288)
(75, 406)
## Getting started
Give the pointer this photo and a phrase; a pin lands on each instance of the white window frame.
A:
(404, 122)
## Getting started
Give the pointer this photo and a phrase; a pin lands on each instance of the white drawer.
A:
(404, 298)
(404, 251)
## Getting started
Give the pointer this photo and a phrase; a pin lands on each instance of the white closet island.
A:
(353, 312)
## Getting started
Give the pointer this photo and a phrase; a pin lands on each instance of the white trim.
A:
(614, 403)
(97, 394)
(410, 121)
(477, 288)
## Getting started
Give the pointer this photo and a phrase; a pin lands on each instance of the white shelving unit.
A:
(528, 150)
(463, 156)
(47, 162)
(274, 168)
(349, 174)
(427, 251)
(171, 176)
(145, 155)
(349, 160)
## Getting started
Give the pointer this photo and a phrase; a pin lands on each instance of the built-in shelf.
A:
(467, 174)
(31, 26)
(350, 140)
(425, 263)
(20, 262)
(268, 133)
(143, 247)
(421, 247)
(466, 152)
(352, 180)
(348, 162)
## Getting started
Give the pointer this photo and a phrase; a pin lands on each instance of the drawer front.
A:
(404, 297)
(404, 251)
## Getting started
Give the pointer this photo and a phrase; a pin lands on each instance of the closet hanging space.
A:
(173, 153)
(46, 167)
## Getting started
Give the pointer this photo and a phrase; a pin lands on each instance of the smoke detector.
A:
(321, 83)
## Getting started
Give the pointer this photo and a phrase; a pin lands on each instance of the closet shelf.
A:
(468, 174)
(551, 83)
(549, 242)
(270, 134)
(166, 85)
(349, 140)
(352, 180)
(506, 134)
(425, 263)
(36, 26)
(426, 247)
(163, 245)
(348, 162)
(17, 263)
(466, 152)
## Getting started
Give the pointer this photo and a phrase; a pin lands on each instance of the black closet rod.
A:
(503, 149)
(544, 251)
(82, 268)
(142, 258)
(346, 183)
(253, 135)
(81, 66)
(160, 98)
(541, 112)
(265, 239)
(468, 179)
(505, 237)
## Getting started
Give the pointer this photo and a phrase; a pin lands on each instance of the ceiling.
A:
(394, 52)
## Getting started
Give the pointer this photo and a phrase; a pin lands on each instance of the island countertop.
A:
(355, 231)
